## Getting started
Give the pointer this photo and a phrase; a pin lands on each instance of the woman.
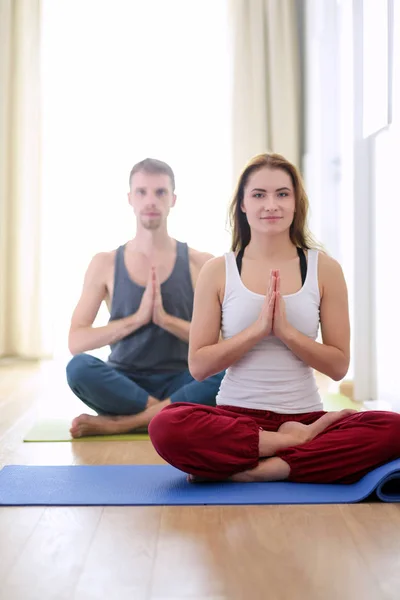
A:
(268, 296)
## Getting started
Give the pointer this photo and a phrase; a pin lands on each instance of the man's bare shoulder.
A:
(100, 265)
(199, 258)
(103, 259)
(213, 271)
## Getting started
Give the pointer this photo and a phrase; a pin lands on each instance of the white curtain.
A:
(266, 79)
(21, 293)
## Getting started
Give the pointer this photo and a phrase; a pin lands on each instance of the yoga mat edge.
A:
(57, 430)
(162, 485)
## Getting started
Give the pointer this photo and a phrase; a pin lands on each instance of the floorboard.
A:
(176, 553)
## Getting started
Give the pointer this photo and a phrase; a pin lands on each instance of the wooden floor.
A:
(202, 553)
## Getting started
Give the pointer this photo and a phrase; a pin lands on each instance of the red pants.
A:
(217, 442)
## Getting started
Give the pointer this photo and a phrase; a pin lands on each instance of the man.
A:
(148, 286)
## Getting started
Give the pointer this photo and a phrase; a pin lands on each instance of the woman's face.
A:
(269, 201)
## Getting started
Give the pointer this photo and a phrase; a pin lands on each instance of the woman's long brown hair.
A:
(299, 232)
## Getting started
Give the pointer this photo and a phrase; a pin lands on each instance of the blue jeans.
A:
(109, 391)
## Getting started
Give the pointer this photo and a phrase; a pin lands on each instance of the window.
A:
(122, 80)
(387, 217)
(375, 65)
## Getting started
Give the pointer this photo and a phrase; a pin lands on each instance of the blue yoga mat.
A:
(158, 485)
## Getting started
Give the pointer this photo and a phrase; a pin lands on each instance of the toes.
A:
(196, 479)
(348, 411)
(77, 430)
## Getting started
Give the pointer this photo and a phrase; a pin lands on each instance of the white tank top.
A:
(269, 376)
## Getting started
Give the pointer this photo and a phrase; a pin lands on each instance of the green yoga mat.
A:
(57, 430)
(339, 402)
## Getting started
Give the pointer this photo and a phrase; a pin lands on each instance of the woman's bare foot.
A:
(197, 479)
(304, 433)
(86, 425)
(269, 469)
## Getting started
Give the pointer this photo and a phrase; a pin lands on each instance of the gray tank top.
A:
(151, 349)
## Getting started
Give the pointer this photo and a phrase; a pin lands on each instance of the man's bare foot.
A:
(110, 425)
(86, 425)
(304, 433)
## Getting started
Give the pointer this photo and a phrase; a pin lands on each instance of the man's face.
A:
(151, 198)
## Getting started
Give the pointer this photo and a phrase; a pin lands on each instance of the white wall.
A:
(387, 290)
(386, 230)
(350, 169)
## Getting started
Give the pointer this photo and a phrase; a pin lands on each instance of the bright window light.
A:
(124, 80)
(375, 65)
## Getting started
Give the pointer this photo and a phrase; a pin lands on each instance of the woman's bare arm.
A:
(207, 354)
(332, 357)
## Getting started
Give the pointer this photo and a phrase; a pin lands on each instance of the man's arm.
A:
(174, 325)
(332, 357)
(82, 335)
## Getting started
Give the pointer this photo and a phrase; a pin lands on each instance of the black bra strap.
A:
(303, 264)
(239, 259)
(300, 252)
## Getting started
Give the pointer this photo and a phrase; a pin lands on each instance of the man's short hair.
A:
(153, 167)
